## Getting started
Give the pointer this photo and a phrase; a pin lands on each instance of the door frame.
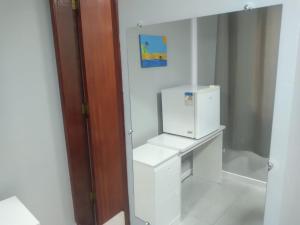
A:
(133, 13)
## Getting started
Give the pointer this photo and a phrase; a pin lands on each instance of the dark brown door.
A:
(88, 59)
(72, 96)
(100, 44)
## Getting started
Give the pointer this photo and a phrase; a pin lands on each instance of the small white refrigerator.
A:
(189, 112)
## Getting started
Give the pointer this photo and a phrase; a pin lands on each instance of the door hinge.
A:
(85, 109)
(75, 4)
(92, 196)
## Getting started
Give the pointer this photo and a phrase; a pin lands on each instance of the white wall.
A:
(146, 83)
(207, 47)
(33, 163)
(291, 194)
(157, 11)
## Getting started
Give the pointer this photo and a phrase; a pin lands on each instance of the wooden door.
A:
(100, 44)
(88, 60)
(72, 96)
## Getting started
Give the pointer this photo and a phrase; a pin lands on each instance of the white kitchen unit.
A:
(157, 184)
(189, 112)
(13, 212)
(207, 152)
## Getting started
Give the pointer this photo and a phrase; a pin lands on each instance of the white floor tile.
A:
(248, 210)
(228, 203)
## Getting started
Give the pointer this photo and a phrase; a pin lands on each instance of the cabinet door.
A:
(168, 191)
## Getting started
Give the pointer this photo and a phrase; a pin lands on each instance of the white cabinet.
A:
(191, 113)
(207, 152)
(157, 184)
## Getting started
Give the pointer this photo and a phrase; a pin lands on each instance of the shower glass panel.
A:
(246, 65)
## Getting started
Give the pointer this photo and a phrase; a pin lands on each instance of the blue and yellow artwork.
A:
(153, 51)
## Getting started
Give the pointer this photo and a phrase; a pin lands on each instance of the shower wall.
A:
(246, 65)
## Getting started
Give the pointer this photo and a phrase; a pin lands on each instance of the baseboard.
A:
(243, 179)
(186, 174)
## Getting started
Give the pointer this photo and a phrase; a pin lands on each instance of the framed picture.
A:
(153, 50)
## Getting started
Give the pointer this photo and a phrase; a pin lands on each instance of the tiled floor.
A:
(228, 203)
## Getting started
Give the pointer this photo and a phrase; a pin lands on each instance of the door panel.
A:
(71, 89)
(100, 46)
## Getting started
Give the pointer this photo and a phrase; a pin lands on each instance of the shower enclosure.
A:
(246, 64)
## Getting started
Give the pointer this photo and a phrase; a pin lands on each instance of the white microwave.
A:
(189, 112)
